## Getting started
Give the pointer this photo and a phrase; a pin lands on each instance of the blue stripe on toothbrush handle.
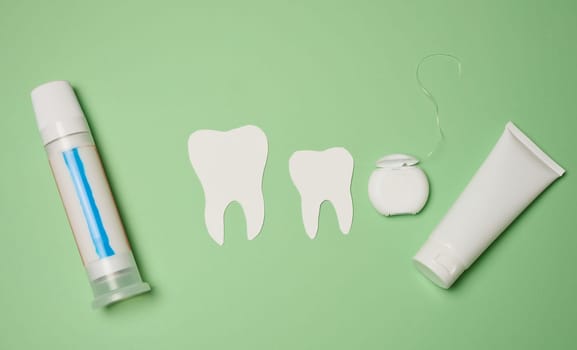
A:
(88, 204)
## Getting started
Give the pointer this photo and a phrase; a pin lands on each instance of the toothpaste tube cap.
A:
(117, 286)
(57, 110)
(439, 263)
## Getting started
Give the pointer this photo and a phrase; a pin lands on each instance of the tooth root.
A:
(254, 214)
(214, 219)
(344, 209)
(310, 212)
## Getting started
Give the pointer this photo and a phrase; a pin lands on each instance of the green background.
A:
(312, 75)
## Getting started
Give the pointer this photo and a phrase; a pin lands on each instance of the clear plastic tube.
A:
(86, 195)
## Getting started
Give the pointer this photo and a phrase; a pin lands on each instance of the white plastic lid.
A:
(438, 263)
(57, 110)
(396, 161)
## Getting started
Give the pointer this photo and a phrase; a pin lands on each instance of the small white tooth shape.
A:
(323, 176)
(230, 166)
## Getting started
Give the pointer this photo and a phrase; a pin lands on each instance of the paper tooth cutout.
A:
(320, 176)
(230, 166)
(398, 186)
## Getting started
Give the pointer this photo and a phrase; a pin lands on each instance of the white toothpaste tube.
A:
(513, 175)
(84, 189)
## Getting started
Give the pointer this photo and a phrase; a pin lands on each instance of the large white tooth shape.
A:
(230, 166)
(323, 175)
